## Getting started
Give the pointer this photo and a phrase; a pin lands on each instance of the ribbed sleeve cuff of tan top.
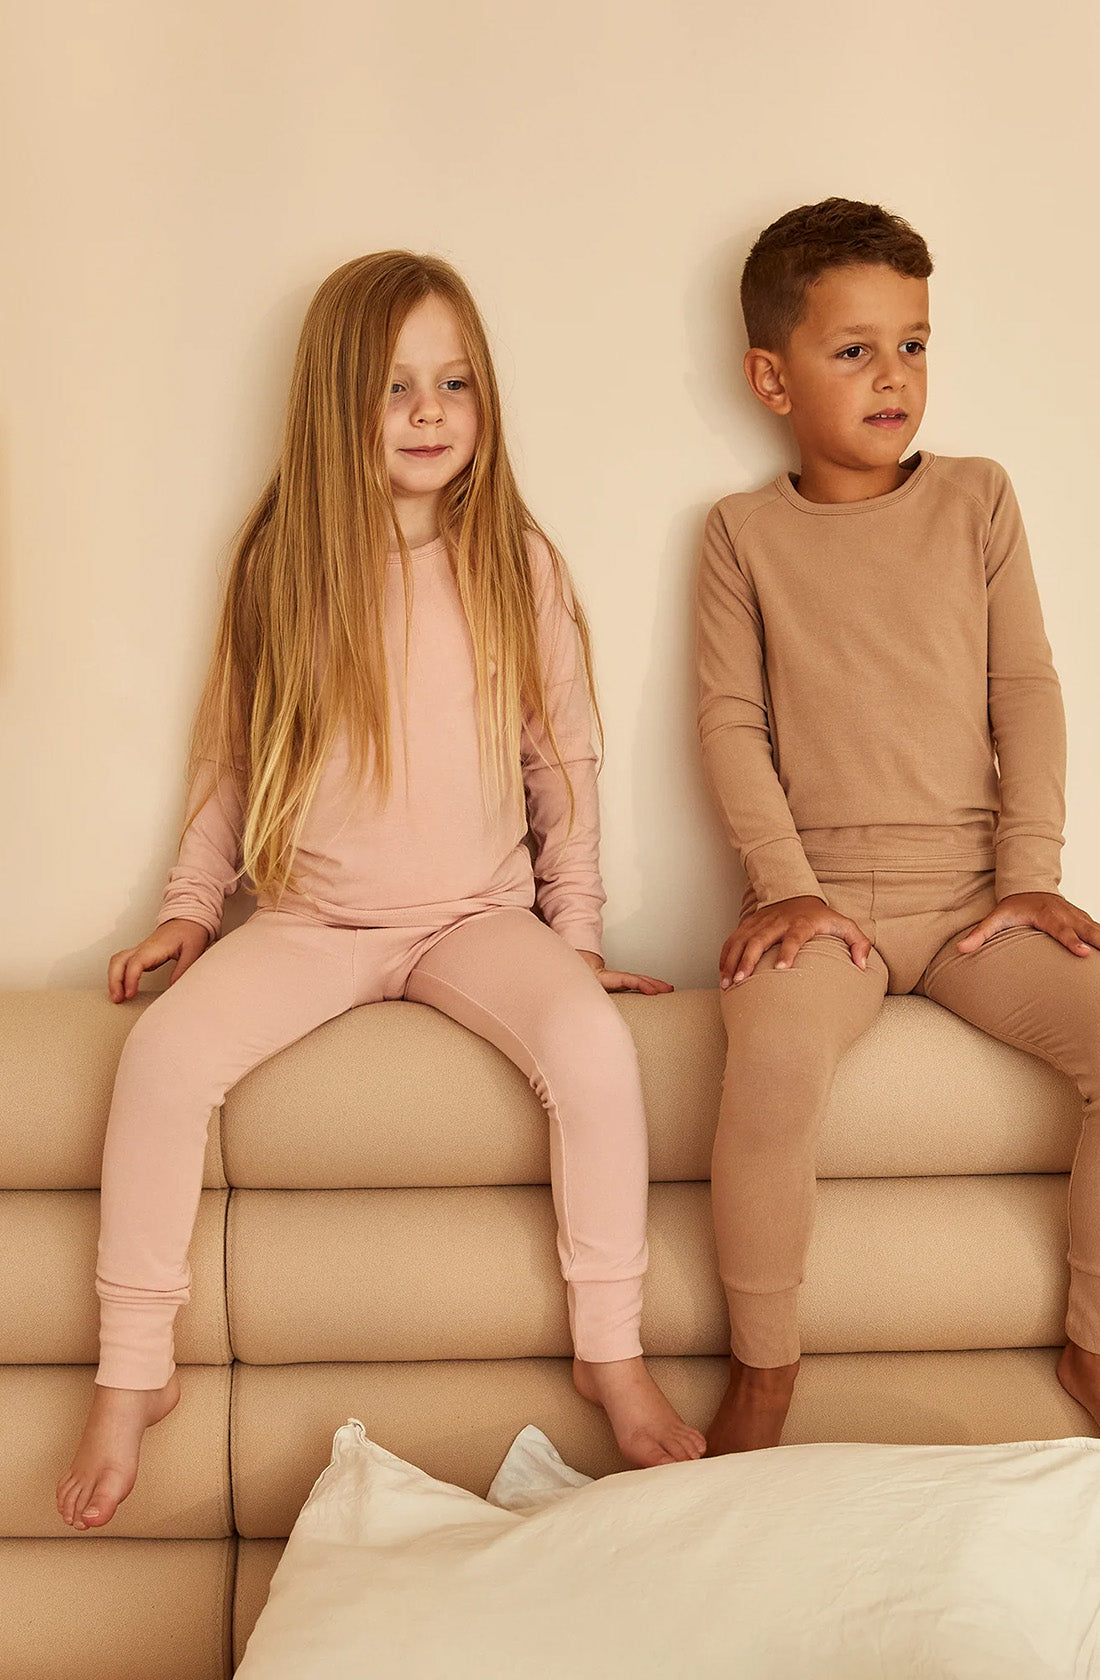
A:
(1028, 863)
(779, 869)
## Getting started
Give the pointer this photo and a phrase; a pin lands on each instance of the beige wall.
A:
(183, 175)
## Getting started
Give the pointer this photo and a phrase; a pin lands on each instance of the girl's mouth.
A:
(427, 454)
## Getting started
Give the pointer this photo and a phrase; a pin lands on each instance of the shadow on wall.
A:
(667, 769)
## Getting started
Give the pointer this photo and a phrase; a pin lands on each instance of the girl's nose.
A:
(429, 412)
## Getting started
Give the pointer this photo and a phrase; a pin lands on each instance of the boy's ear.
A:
(764, 372)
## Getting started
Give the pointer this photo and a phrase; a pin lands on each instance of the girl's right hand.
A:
(178, 938)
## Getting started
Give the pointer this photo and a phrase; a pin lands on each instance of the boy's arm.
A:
(734, 730)
(209, 864)
(1025, 712)
(569, 891)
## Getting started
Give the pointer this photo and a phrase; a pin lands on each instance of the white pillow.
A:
(800, 1563)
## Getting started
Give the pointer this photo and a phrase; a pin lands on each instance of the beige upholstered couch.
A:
(376, 1238)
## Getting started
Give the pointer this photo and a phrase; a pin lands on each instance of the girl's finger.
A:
(135, 968)
(116, 971)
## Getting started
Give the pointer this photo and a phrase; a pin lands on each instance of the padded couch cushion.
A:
(456, 1421)
(183, 1490)
(396, 1094)
(452, 1274)
(107, 1609)
(61, 1049)
(49, 1314)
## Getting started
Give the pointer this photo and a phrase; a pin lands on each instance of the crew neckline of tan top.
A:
(868, 504)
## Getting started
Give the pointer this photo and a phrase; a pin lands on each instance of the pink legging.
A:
(501, 973)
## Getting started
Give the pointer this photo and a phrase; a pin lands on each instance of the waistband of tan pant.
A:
(902, 847)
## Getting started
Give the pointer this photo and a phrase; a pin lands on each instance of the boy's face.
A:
(853, 376)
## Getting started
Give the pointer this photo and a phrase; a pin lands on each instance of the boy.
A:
(883, 730)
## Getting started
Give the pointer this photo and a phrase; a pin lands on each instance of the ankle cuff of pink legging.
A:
(764, 1328)
(135, 1343)
(605, 1318)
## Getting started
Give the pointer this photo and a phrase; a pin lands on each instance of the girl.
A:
(400, 689)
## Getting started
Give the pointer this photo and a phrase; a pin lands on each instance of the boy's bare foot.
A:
(104, 1467)
(647, 1427)
(1079, 1375)
(753, 1410)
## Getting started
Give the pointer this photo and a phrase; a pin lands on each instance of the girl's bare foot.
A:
(648, 1429)
(1079, 1375)
(104, 1467)
(753, 1410)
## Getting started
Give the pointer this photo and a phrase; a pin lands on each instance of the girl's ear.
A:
(764, 372)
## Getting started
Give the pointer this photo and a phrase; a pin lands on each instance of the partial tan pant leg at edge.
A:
(276, 978)
(785, 1042)
(1026, 989)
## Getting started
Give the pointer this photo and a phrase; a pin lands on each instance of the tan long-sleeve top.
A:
(880, 664)
(436, 849)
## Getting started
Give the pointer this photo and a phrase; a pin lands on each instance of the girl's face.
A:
(431, 424)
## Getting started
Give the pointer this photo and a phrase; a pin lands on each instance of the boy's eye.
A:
(851, 353)
(913, 347)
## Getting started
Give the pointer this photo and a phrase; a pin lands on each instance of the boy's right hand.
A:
(178, 938)
(788, 924)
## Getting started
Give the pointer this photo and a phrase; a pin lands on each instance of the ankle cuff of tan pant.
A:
(1083, 1316)
(135, 1344)
(605, 1319)
(764, 1328)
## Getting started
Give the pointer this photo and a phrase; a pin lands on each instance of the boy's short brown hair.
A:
(797, 249)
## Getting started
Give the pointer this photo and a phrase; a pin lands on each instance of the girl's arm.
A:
(1025, 711)
(209, 864)
(734, 729)
(569, 891)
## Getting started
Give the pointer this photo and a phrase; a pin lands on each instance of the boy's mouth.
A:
(891, 419)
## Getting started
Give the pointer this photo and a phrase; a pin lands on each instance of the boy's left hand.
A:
(1049, 912)
(612, 981)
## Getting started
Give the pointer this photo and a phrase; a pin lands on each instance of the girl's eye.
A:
(455, 384)
(395, 388)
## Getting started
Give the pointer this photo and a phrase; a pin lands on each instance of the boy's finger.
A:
(860, 947)
(731, 955)
(789, 947)
(975, 938)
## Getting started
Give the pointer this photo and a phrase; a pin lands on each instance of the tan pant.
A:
(501, 973)
(789, 1028)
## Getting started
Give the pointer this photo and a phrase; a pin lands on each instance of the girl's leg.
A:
(510, 979)
(787, 1031)
(1026, 989)
(249, 995)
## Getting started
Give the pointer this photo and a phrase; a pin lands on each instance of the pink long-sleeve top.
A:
(436, 849)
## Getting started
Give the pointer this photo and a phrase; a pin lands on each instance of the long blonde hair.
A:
(309, 571)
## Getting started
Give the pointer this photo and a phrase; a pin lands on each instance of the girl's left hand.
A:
(612, 981)
(1049, 912)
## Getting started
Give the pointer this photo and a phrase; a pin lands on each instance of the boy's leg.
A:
(787, 1030)
(1026, 989)
(252, 993)
(510, 979)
